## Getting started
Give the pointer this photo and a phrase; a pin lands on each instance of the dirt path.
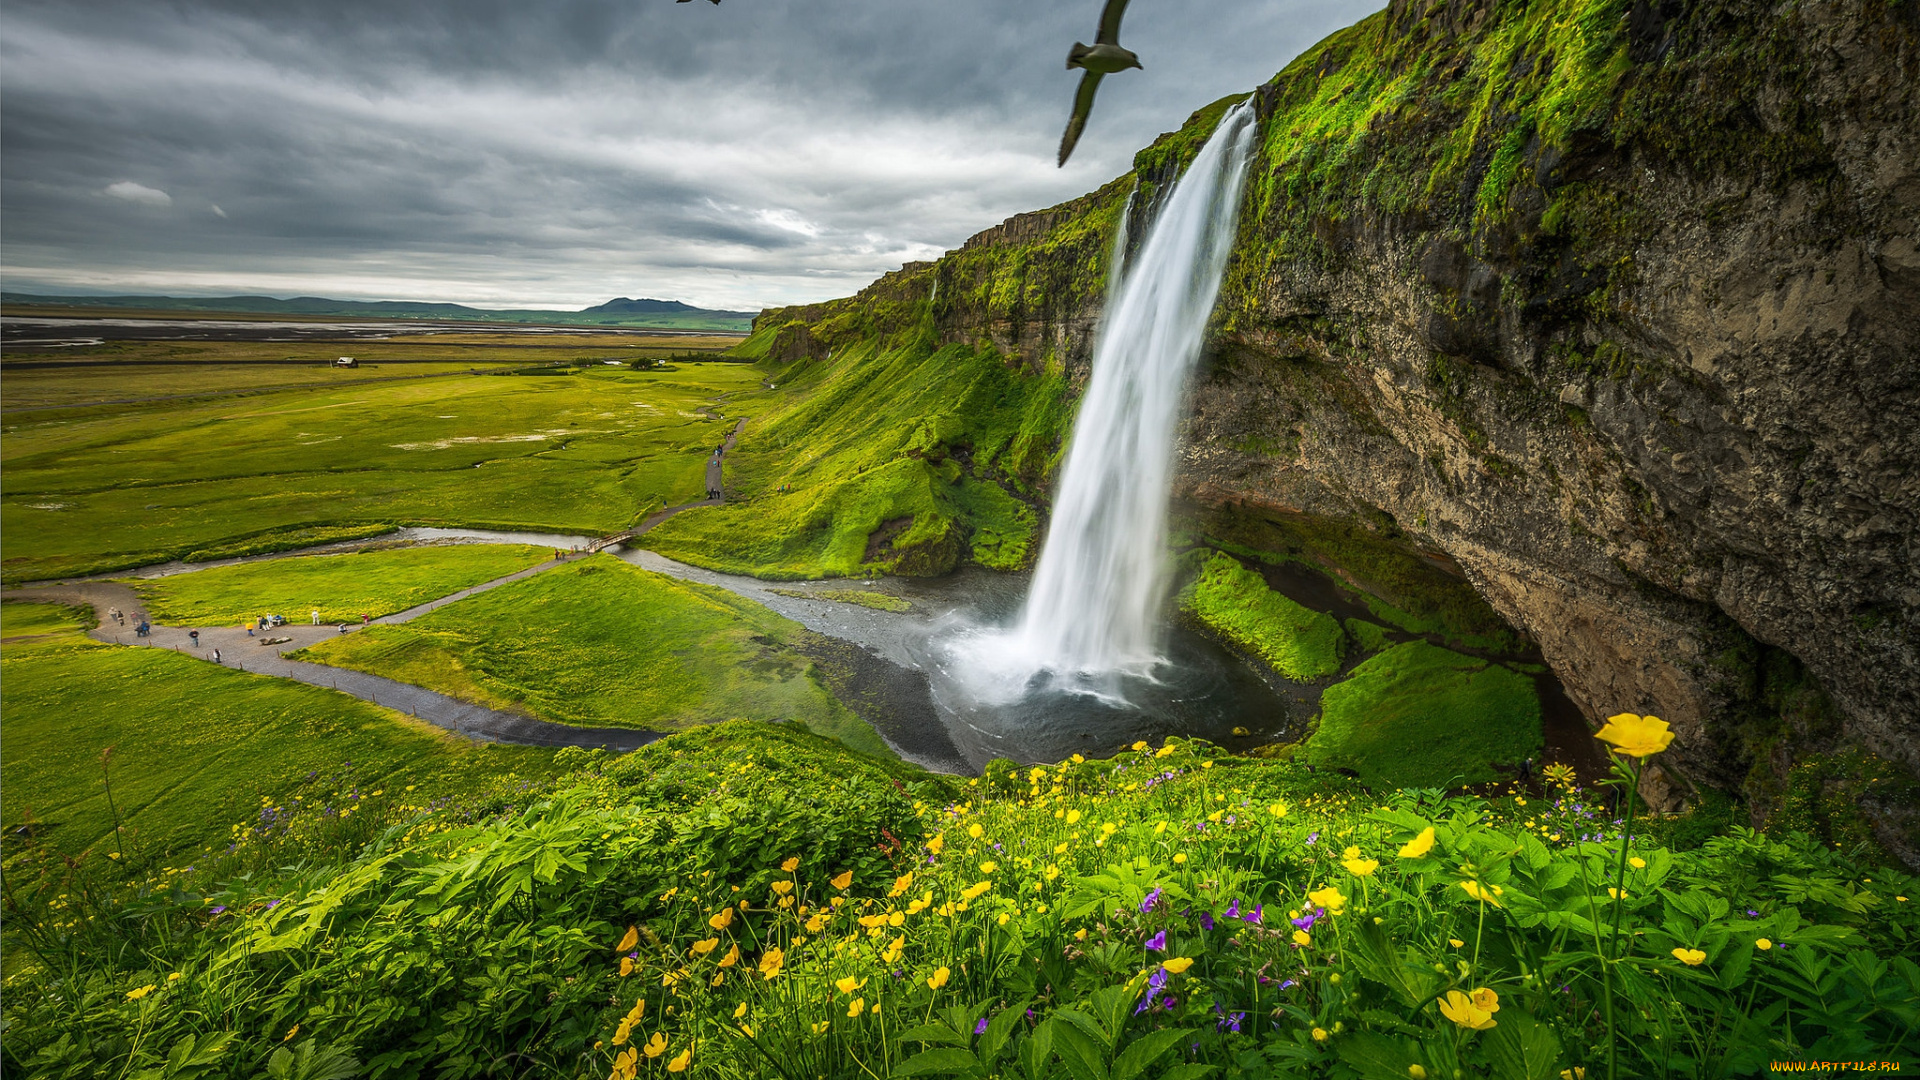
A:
(715, 482)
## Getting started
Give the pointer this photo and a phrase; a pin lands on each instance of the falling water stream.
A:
(1090, 639)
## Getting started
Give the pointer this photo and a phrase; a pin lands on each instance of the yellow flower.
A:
(1416, 1072)
(974, 830)
(1179, 858)
(680, 1063)
(871, 921)
(901, 884)
(782, 888)
(718, 978)
(1690, 957)
(1418, 846)
(1330, 898)
(1455, 942)
(721, 919)
(732, 957)
(1637, 863)
(291, 1032)
(1141, 745)
(741, 1011)
(1763, 944)
(1460, 1009)
(816, 924)
(858, 1006)
(1486, 1000)
(136, 995)
(1178, 964)
(1073, 817)
(626, 966)
(939, 978)
(1320, 1034)
(1578, 1072)
(936, 844)
(656, 1045)
(849, 984)
(1302, 938)
(639, 1009)
(631, 939)
(1361, 867)
(989, 866)
(893, 949)
(702, 948)
(974, 891)
(1278, 809)
(1165, 750)
(841, 880)
(791, 864)
(1474, 890)
(1636, 736)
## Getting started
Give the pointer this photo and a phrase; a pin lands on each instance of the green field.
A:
(1418, 715)
(601, 643)
(342, 587)
(196, 746)
(91, 490)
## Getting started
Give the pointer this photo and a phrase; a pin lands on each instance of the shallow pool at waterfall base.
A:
(1201, 691)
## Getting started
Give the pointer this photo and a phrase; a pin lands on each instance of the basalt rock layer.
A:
(1613, 305)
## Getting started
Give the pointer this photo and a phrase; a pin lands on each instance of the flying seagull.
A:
(1104, 58)
(684, 1)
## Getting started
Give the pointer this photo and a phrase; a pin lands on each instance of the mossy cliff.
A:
(1607, 303)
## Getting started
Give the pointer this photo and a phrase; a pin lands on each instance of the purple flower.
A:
(1286, 985)
(271, 904)
(1233, 910)
(981, 1027)
(1206, 920)
(1152, 900)
(1158, 942)
(1254, 915)
(218, 908)
(1230, 1022)
(1752, 914)
(1312, 836)
(1306, 920)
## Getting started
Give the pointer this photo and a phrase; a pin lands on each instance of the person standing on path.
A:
(248, 628)
(316, 616)
(195, 635)
(364, 619)
(216, 656)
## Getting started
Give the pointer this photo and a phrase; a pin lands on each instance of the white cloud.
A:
(139, 193)
(217, 212)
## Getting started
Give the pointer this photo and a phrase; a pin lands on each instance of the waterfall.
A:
(1092, 614)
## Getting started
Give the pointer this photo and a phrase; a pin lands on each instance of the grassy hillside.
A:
(750, 900)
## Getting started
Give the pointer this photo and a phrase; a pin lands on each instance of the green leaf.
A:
(994, 1039)
(933, 1033)
(945, 1059)
(1381, 1057)
(1523, 1048)
(1192, 1070)
(1084, 1056)
(1036, 1050)
(1145, 1050)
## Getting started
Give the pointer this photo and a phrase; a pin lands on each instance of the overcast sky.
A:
(560, 153)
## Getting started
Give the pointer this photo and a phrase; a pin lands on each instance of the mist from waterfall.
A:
(1092, 616)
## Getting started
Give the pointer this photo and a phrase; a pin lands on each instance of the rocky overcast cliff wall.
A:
(1614, 305)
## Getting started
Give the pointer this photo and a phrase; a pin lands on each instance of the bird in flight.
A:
(684, 1)
(1103, 58)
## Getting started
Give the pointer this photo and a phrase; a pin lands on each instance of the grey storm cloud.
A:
(557, 154)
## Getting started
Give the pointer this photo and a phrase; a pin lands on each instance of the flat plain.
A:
(588, 451)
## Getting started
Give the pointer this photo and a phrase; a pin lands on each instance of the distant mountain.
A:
(667, 314)
(624, 306)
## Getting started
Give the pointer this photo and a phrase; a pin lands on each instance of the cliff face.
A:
(1616, 305)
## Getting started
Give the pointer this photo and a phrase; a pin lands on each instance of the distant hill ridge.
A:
(621, 311)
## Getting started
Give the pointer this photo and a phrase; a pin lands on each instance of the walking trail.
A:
(253, 654)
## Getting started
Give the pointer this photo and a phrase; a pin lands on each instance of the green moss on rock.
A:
(1235, 602)
(1418, 715)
